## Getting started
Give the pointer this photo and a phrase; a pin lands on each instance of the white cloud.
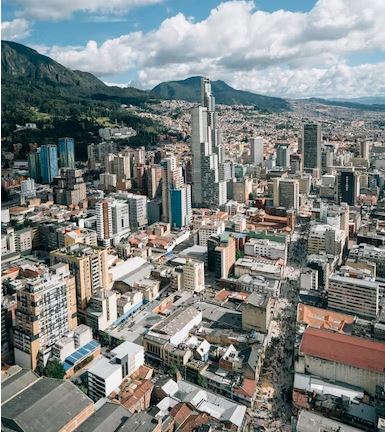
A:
(17, 29)
(281, 52)
(62, 9)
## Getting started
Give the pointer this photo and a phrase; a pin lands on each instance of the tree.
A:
(171, 369)
(54, 369)
(238, 254)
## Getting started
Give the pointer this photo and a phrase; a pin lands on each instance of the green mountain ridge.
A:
(189, 90)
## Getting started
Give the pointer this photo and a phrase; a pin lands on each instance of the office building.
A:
(351, 292)
(207, 152)
(120, 219)
(283, 155)
(266, 248)
(221, 255)
(286, 193)
(180, 206)
(256, 150)
(138, 211)
(34, 165)
(98, 152)
(311, 145)
(327, 157)
(23, 240)
(89, 266)
(8, 243)
(241, 190)
(66, 153)
(48, 159)
(154, 181)
(28, 189)
(369, 253)
(194, 276)
(172, 178)
(257, 313)
(69, 189)
(45, 312)
(349, 187)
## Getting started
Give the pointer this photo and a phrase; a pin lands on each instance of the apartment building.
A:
(221, 255)
(45, 311)
(89, 266)
(194, 276)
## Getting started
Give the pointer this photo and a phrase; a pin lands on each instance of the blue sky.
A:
(280, 47)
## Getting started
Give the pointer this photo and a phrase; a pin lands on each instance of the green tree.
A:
(171, 369)
(54, 369)
(238, 254)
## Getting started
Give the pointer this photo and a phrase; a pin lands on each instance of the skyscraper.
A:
(104, 222)
(69, 188)
(172, 178)
(256, 150)
(48, 163)
(286, 193)
(349, 187)
(283, 155)
(207, 152)
(311, 145)
(180, 206)
(34, 166)
(66, 153)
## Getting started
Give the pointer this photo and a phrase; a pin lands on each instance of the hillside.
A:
(30, 79)
(189, 90)
(348, 104)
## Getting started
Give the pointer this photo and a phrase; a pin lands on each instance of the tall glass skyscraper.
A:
(66, 153)
(207, 152)
(34, 166)
(311, 145)
(48, 163)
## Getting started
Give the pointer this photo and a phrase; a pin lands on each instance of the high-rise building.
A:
(104, 222)
(172, 178)
(207, 152)
(348, 187)
(311, 145)
(48, 163)
(364, 149)
(46, 311)
(286, 193)
(120, 220)
(138, 211)
(194, 276)
(66, 153)
(327, 157)
(352, 292)
(69, 189)
(154, 181)
(221, 251)
(34, 166)
(28, 189)
(283, 155)
(180, 206)
(90, 268)
(256, 150)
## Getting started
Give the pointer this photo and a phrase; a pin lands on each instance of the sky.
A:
(287, 48)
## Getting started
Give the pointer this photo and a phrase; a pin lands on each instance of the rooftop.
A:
(103, 368)
(350, 350)
(176, 321)
(48, 405)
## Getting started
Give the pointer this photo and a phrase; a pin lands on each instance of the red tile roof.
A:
(350, 350)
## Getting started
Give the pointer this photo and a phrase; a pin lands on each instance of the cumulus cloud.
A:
(281, 52)
(17, 29)
(62, 9)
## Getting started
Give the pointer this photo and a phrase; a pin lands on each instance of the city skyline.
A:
(289, 49)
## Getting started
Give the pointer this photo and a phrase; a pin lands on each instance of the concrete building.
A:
(221, 251)
(23, 240)
(309, 421)
(70, 189)
(46, 310)
(257, 150)
(154, 181)
(28, 189)
(351, 292)
(286, 193)
(365, 252)
(120, 220)
(104, 222)
(208, 229)
(349, 359)
(8, 245)
(102, 311)
(266, 248)
(327, 239)
(257, 313)
(98, 152)
(161, 341)
(137, 211)
(89, 266)
(283, 155)
(242, 190)
(348, 186)
(106, 374)
(194, 276)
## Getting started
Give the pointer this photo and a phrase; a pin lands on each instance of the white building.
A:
(194, 276)
(104, 222)
(208, 229)
(28, 188)
(106, 375)
(266, 248)
(137, 211)
(102, 311)
(256, 150)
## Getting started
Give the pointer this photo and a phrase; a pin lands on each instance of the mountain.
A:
(30, 79)
(366, 100)
(347, 104)
(189, 90)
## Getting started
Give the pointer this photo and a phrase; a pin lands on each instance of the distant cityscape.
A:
(229, 276)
